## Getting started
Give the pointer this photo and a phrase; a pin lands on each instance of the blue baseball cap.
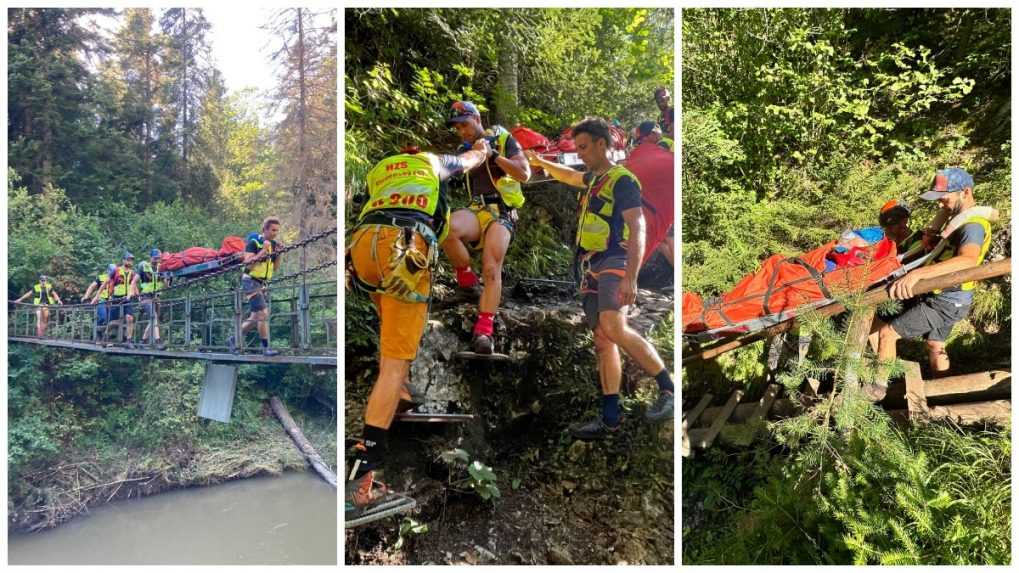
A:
(951, 180)
(154, 253)
(127, 255)
(462, 111)
(646, 128)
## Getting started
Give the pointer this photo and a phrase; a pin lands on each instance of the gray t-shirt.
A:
(968, 234)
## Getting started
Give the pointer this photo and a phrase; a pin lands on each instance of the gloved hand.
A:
(407, 268)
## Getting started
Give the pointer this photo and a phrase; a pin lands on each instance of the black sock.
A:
(265, 343)
(610, 410)
(664, 381)
(374, 450)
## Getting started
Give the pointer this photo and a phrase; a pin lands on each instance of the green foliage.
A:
(798, 124)
(409, 527)
(404, 67)
(479, 479)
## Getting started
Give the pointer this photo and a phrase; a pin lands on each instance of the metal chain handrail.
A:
(226, 269)
(298, 274)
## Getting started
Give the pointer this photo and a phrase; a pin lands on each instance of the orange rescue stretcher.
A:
(786, 287)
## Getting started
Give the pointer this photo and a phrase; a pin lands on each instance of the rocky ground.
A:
(561, 501)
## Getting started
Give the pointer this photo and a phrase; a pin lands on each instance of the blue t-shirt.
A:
(968, 234)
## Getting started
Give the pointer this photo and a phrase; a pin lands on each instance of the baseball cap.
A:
(127, 255)
(462, 111)
(646, 128)
(946, 181)
(154, 253)
(661, 90)
(892, 212)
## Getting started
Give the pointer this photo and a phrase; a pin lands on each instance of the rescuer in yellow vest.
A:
(120, 290)
(261, 264)
(391, 253)
(487, 225)
(102, 313)
(609, 249)
(933, 315)
(43, 295)
(148, 284)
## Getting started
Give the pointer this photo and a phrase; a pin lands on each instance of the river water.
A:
(290, 519)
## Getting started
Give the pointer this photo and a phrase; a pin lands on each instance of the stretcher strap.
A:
(774, 277)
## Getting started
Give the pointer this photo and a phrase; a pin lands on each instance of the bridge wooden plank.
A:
(916, 396)
(704, 439)
(764, 404)
(690, 417)
(180, 354)
(978, 385)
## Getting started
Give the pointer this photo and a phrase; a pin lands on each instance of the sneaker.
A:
(129, 345)
(594, 430)
(662, 409)
(483, 344)
(231, 344)
(160, 345)
(362, 494)
(270, 352)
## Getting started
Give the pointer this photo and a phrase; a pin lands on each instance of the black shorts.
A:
(257, 301)
(599, 288)
(118, 308)
(931, 317)
(148, 306)
(492, 213)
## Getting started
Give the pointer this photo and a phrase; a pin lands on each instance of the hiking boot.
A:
(662, 409)
(483, 344)
(231, 344)
(160, 345)
(362, 494)
(270, 352)
(129, 345)
(594, 430)
(874, 392)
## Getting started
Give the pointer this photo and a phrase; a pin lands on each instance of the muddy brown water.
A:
(291, 519)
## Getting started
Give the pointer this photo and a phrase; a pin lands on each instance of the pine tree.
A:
(305, 139)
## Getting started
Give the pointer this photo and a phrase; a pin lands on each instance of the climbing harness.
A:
(406, 266)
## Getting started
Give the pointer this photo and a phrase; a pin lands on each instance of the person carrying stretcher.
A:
(933, 315)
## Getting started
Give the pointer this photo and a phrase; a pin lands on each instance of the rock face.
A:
(530, 327)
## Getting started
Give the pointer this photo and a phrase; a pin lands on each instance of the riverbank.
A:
(82, 479)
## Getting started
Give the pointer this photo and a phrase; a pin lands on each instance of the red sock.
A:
(485, 323)
(466, 278)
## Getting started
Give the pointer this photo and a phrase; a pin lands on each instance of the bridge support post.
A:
(187, 321)
(238, 308)
(303, 303)
(217, 398)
